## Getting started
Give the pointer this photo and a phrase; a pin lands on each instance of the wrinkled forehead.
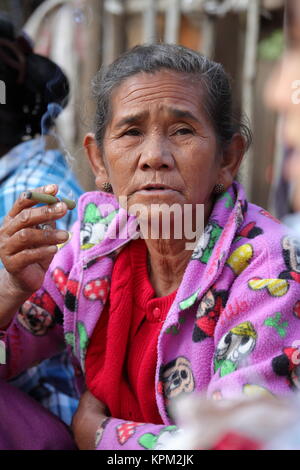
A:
(143, 88)
(158, 96)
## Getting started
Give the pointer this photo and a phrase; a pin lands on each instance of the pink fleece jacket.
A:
(233, 328)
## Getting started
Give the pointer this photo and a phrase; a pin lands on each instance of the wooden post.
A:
(92, 62)
(150, 22)
(208, 35)
(248, 84)
(173, 13)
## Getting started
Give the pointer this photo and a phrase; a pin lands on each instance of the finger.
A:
(18, 262)
(46, 261)
(34, 238)
(34, 216)
(23, 202)
(48, 226)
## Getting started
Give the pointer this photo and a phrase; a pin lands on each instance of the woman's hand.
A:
(26, 251)
(87, 420)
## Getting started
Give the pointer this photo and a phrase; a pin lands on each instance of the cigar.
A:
(48, 199)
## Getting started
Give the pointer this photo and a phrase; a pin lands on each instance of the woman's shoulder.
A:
(271, 242)
(259, 221)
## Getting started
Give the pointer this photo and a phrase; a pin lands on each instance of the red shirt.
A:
(122, 355)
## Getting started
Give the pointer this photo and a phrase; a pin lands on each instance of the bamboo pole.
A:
(173, 11)
(249, 74)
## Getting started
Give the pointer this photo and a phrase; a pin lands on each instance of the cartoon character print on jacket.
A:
(176, 378)
(152, 441)
(251, 230)
(288, 365)
(275, 321)
(207, 242)
(296, 309)
(100, 431)
(248, 231)
(291, 256)
(94, 226)
(83, 342)
(240, 258)
(67, 287)
(39, 314)
(126, 430)
(275, 287)
(239, 216)
(97, 289)
(269, 216)
(234, 347)
(208, 313)
(253, 390)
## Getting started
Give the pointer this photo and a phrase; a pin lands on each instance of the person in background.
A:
(36, 91)
(282, 93)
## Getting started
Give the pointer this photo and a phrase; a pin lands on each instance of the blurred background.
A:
(246, 36)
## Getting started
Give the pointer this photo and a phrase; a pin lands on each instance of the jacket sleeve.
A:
(258, 333)
(21, 349)
(117, 434)
(36, 332)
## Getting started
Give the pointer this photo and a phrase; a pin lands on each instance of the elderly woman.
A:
(150, 317)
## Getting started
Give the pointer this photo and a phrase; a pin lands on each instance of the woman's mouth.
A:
(155, 187)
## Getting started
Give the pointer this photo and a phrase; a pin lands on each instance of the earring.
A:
(219, 188)
(107, 187)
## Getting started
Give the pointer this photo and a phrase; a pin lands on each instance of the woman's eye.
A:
(184, 131)
(133, 132)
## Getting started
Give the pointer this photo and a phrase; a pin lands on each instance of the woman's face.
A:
(159, 146)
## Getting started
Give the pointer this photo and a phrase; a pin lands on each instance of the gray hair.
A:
(212, 78)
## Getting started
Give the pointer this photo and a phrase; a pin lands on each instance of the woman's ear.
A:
(231, 160)
(95, 157)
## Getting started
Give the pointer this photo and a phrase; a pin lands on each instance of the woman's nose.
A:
(156, 155)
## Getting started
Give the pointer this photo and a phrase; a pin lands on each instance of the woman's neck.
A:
(169, 257)
(168, 260)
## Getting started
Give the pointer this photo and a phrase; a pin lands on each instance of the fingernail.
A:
(50, 188)
(59, 207)
(62, 236)
(52, 249)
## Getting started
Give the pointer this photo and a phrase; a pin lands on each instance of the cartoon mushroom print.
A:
(97, 289)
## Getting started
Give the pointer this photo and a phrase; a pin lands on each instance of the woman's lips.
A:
(155, 187)
(154, 191)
